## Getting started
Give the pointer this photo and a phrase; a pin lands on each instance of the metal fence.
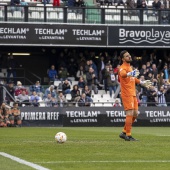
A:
(85, 15)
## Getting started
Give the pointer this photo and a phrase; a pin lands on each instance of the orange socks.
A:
(133, 119)
(128, 125)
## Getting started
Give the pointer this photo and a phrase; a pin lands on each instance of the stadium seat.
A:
(17, 14)
(101, 92)
(98, 105)
(74, 83)
(109, 17)
(71, 78)
(71, 16)
(56, 83)
(53, 15)
(106, 96)
(68, 97)
(2, 75)
(61, 15)
(35, 15)
(107, 104)
(97, 96)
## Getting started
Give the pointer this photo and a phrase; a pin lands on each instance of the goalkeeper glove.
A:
(146, 83)
(134, 73)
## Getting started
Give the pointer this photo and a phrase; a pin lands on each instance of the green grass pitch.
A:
(92, 148)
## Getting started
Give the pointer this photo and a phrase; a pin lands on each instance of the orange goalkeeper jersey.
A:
(127, 84)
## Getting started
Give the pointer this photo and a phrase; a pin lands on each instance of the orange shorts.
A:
(130, 102)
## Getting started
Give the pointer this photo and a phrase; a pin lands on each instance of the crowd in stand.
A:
(101, 72)
(93, 72)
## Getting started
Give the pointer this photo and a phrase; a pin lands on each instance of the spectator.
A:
(23, 99)
(37, 88)
(111, 81)
(92, 80)
(81, 83)
(143, 71)
(15, 117)
(75, 94)
(66, 87)
(80, 73)
(131, 5)
(161, 97)
(15, 6)
(50, 90)
(104, 75)
(160, 79)
(10, 92)
(93, 65)
(148, 66)
(150, 76)
(12, 64)
(117, 103)
(165, 15)
(50, 101)
(4, 115)
(79, 3)
(101, 66)
(46, 2)
(142, 4)
(19, 88)
(56, 3)
(62, 101)
(145, 57)
(70, 3)
(34, 98)
(52, 74)
(120, 2)
(156, 5)
(151, 94)
(167, 96)
(143, 93)
(84, 101)
(154, 71)
(87, 66)
(87, 91)
(63, 74)
(23, 3)
(166, 72)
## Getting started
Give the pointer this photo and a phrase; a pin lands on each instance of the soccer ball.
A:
(61, 137)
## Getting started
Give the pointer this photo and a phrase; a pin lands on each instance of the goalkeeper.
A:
(128, 81)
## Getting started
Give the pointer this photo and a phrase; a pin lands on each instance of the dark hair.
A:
(122, 53)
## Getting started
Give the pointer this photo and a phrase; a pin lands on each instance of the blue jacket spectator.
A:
(51, 91)
(34, 99)
(52, 73)
(37, 88)
(93, 65)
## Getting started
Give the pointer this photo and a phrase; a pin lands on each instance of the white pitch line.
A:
(21, 161)
(133, 161)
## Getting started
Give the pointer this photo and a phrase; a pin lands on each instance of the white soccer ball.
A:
(61, 137)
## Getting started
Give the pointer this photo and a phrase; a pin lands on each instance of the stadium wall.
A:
(92, 116)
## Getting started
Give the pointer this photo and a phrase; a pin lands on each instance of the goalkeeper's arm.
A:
(124, 74)
(134, 73)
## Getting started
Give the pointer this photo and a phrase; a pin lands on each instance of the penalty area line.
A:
(21, 161)
(123, 161)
